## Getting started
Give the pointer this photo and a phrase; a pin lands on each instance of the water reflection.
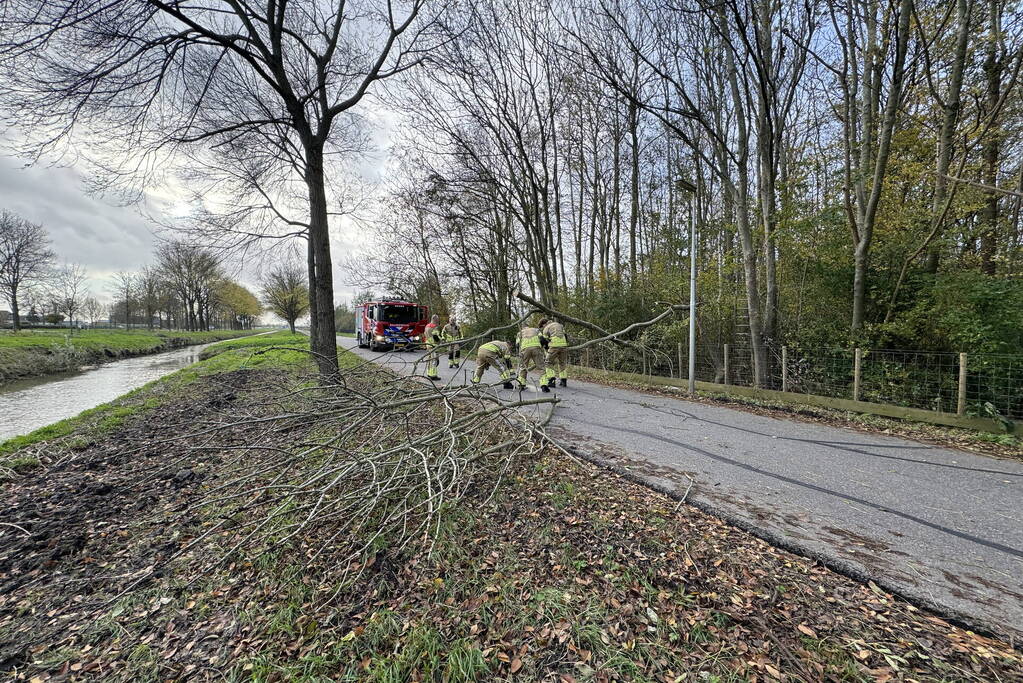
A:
(26, 405)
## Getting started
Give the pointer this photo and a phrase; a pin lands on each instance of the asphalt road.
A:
(939, 526)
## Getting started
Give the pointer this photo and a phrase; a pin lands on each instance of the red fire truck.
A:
(390, 324)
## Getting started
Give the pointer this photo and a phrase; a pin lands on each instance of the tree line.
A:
(852, 169)
(186, 287)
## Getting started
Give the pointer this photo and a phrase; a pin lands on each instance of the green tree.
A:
(286, 294)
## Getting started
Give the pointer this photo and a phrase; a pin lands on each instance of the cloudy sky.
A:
(84, 229)
(106, 238)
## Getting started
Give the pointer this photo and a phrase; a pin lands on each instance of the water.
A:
(28, 404)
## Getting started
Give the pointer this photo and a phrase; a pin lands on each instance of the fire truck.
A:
(390, 324)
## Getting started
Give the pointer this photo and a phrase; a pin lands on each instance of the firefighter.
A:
(452, 332)
(431, 337)
(553, 333)
(498, 354)
(531, 355)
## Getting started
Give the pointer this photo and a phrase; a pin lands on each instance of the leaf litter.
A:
(567, 573)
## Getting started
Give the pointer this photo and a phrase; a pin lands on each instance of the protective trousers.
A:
(432, 358)
(531, 358)
(454, 353)
(557, 363)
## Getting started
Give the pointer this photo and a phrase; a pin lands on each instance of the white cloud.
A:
(85, 229)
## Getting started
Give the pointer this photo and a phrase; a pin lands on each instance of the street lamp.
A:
(692, 293)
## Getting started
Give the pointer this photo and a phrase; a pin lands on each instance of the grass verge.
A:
(41, 352)
(54, 441)
(567, 574)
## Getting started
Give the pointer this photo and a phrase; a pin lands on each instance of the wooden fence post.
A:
(644, 362)
(726, 363)
(680, 360)
(857, 366)
(961, 403)
(784, 368)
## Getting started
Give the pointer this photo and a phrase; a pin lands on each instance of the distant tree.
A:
(25, 258)
(69, 291)
(149, 284)
(286, 294)
(192, 272)
(344, 317)
(238, 304)
(125, 289)
(93, 308)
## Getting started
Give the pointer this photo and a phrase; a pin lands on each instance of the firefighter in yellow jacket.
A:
(553, 334)
(452, 332)
(498, 354)
(432, 337)
(531, 355)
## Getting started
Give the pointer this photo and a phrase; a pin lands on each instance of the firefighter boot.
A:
(564, 382)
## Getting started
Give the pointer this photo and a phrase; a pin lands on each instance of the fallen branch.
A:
(605, 335)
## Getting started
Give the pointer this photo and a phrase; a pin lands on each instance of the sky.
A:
(105, 237)
(87, 230)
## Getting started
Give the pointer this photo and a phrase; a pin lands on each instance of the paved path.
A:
(942, 527)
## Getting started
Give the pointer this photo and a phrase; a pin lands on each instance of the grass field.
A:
(40, 352)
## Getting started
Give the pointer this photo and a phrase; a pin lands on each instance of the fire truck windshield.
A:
(400, 315)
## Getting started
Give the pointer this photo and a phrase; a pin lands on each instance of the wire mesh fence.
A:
(985, 385)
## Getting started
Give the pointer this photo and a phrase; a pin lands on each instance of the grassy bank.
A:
(118, 567)
(29, 451)
(40, 352)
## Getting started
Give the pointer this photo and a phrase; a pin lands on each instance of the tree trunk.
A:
(741, 192)
(991, 150)
(16, 320)
(633, 185)
(867, 203)
(323, 336)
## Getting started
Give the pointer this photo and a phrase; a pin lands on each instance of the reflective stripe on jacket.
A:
(555, 333)
(528, 338)
(501, 348)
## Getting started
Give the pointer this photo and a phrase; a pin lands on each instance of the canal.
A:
(28, 404)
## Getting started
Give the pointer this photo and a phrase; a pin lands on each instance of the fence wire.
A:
(992, 384)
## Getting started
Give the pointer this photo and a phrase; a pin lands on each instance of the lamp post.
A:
(692, 294)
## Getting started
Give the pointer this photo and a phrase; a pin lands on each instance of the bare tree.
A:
(125, 290)
(69, 290)
(193, 273)
(285, 293)
(150, 292)
(152, 78)
(25, 258)
(93, 308)
(872, 83)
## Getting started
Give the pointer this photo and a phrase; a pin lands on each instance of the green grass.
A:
(115, 340)
(235, 354)
(42, 352)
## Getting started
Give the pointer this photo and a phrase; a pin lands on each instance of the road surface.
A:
(939, 526)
